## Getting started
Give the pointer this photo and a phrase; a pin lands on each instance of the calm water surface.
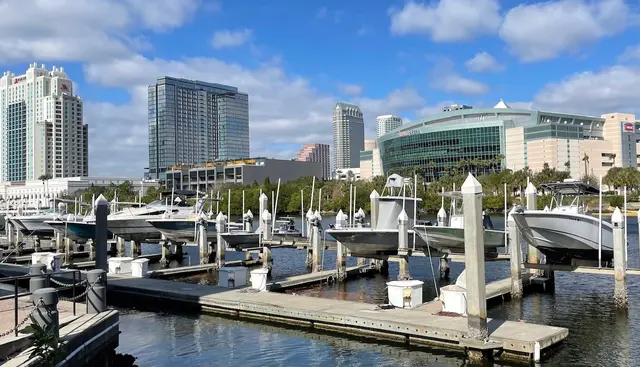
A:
(598, 334)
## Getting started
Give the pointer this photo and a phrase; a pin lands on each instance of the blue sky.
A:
(297, 58)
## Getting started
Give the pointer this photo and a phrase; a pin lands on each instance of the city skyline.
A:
(435, 54)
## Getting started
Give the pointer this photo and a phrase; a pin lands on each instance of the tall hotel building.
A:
(194, 122)
(41, 126)
(348, 136)
(317, 153)
(386, 123)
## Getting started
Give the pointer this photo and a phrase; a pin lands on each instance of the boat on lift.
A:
(286, 227)
(564, 231)
(449, 236)
(382, 240)
(34, 224)
(241, 239)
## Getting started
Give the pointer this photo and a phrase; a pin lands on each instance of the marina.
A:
(244, 285)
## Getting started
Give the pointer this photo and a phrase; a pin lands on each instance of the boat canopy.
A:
(570, 188)
(453, 194)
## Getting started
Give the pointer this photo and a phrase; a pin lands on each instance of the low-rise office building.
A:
(370, 163)
(241, 171)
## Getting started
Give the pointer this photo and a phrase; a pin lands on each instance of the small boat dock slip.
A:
(415, 326)
(307, 279)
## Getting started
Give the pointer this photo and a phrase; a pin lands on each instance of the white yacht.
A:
(449, 238)
(34, 225)
(286, 227)
(564, 231)
(131, 223)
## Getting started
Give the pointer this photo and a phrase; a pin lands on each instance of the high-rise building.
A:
(41, 126)
(386, 123)
(348, 135)
(194, 122)
(370, 162)
(317, 153)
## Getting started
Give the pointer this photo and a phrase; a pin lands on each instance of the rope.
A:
(433, 273)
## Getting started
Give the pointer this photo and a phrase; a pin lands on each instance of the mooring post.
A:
(478, 347)
(120, 246)
(164, 249)
(263, 201)
(136, 249)
(100, 240)
(36, 283)
(46, 312)
(59, 242)
(515, 248)
(341, 263)
(441, 217)
(92, 249)
(11, 233)
(374, 199)
(403, 246)
(316, 242)
(97, 294)
(308, 223)
(533, 255)
(267, 260)
(68, 251)
(620, 291)
(221, 223)
(36, 244)
(203, 241)
(444, 267)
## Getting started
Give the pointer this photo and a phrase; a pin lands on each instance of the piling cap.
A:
(403, 217)
(309, 213)
(101, 200)
(266, 215)
(546, 208)
(263, 197)
(220, 217)
(374, 195)
(340, 214)
(249, 214)
(317, 215)
(442, 213)
(531, 189)
(471, 185)
(361, 212)
(616, 218)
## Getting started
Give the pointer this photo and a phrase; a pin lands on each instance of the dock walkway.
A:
(414, 326)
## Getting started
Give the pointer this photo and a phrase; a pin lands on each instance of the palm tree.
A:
(613, 158)
(585, 159)
(568, 165)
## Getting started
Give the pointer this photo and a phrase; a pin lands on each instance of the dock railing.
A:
(76, 282)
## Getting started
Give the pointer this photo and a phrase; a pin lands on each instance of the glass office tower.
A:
(193, 122)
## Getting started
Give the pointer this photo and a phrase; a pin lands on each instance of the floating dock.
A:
(419, 326)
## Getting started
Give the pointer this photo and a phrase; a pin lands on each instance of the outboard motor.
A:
(486, 221)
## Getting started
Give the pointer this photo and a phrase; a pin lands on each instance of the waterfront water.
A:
(598, 334)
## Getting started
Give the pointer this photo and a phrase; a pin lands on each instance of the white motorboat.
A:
(383, 239)
(449, 238)
(61, 225)
(564, 231)
(34, 225)
(286, 227)
(131, 223)
(243, 238)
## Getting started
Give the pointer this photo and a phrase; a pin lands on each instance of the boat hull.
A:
(240, 240)
(367, 241)
(86, 230)
(62, 228)
(35, 225)
(451, 240)
(182, 231)
(562, 237)
(133, 229)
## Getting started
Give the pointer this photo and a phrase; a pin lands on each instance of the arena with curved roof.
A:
(488, 139)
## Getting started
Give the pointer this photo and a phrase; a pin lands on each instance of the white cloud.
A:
(543, 31)
(631, 53)
(445, 78)
(166, 14)
(483, 62)
(227, 38)
(448, 20)
(351, 89)
(613, 89)
(81, 30)
(322, 12)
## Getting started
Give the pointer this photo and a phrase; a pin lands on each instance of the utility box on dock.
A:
(39, 258)
(405, 293)
(54, 261)
(232, 277)
(454, 299)
(259, 279)
(120, 265)
(140, 267)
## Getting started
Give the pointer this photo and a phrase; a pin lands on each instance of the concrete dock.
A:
(419, 326)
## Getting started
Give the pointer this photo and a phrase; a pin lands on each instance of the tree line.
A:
(333, 195)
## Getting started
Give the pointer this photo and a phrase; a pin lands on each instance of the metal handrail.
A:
(17, 295)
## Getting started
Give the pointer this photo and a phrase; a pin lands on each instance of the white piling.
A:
(619, 260)
(600, 223)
